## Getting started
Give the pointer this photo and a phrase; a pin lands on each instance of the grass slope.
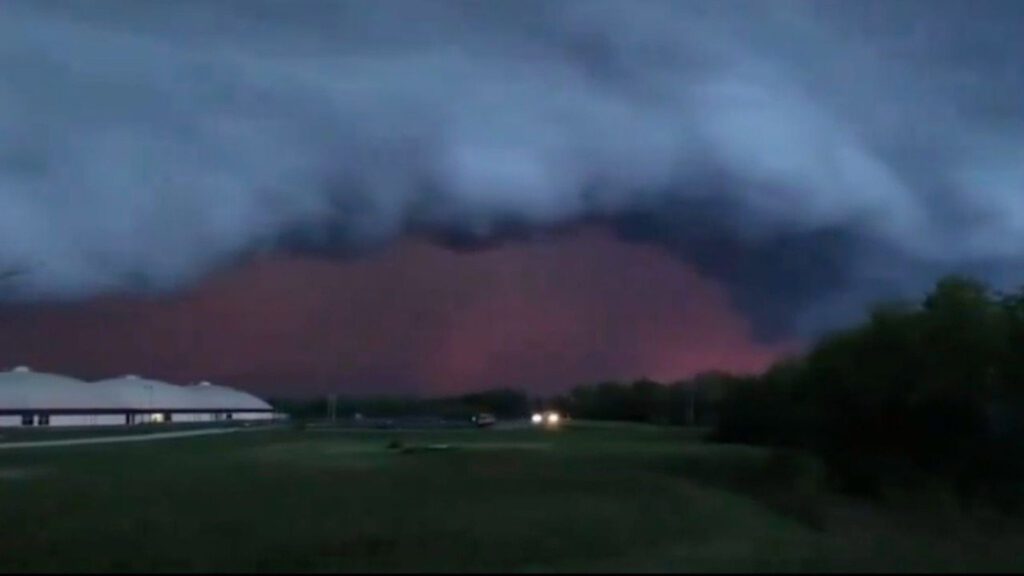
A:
(585, 498)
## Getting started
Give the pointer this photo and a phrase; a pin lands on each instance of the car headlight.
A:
(537, 418)
(553, 418)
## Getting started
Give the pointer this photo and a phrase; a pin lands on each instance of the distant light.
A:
(553, 418)
(537, 418)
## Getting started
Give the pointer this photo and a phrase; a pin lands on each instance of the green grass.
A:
(584, 498)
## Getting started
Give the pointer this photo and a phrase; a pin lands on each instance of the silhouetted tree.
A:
(933, 388)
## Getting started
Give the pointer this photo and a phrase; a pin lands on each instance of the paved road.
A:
(383, 424)
(119, 439)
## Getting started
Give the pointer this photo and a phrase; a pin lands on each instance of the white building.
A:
(36, 399)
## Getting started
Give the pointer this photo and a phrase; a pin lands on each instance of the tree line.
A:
(503, 403)
(933, 388)
(691, 402)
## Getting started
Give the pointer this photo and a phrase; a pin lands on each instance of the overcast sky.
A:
(798, 159)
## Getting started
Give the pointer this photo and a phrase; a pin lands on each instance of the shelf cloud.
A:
(812, 156)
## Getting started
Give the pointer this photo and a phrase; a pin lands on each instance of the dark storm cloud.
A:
(812, 154)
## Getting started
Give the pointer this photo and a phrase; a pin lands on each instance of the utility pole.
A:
(332, 407)
(691, 410)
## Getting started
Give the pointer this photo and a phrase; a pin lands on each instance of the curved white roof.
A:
(21, 389)
(220, 396)
(145, 394)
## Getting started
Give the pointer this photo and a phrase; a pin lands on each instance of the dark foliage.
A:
(502, 403)
(931, 390)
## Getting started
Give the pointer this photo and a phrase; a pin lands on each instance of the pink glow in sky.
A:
(414, 318)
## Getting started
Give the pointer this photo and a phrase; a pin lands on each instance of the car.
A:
(484, 420)
(548, 418)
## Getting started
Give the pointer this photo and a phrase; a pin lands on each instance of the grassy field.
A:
(584, 498)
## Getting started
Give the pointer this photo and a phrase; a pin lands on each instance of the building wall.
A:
(192, 417)
(143, 418)
(252, 416)
(109, 420)
(72, 420)
(87, 420)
